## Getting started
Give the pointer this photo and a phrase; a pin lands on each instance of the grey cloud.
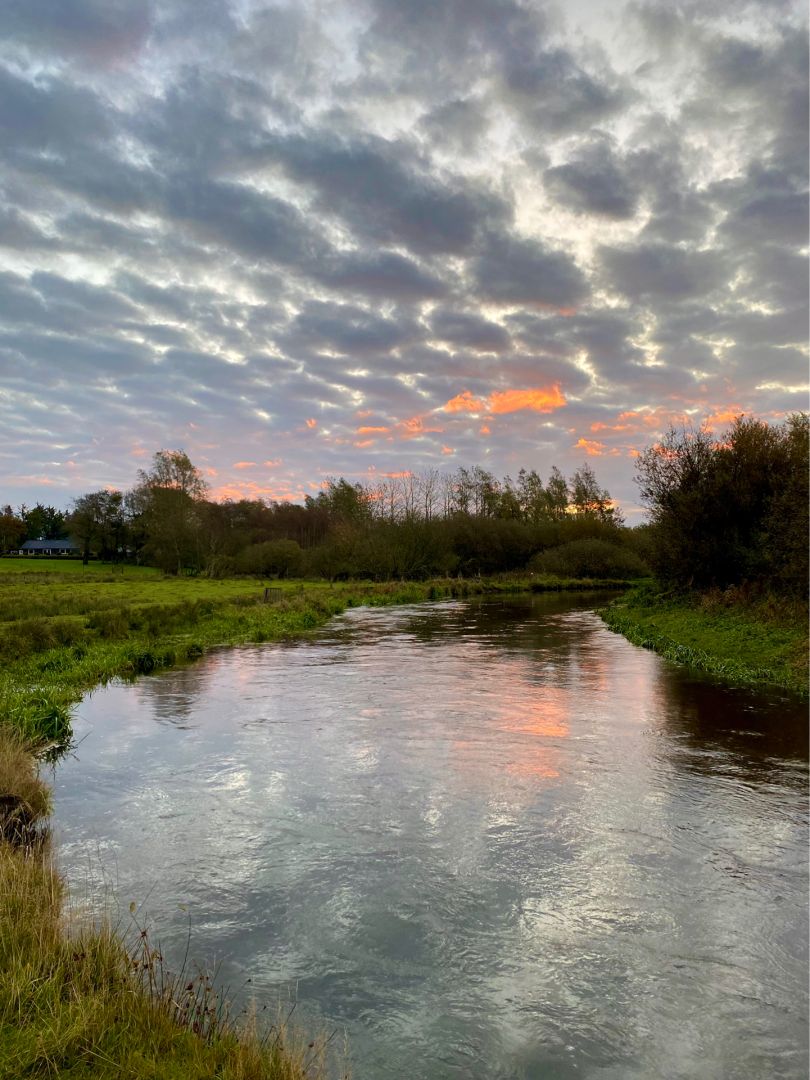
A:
(555, 94)
(383, 274)
(510, 271)
(606, 337)
(94, 300)
(661, 271)
(367, 184)
(594, 181)
(455, 125)
(64, 353)
(52, 303)
(763, 208)
(51, 115)
(17, 230)
(80, 230)
(470, 331)
(346, 329)
(239, 217)
(95, 30)
(449, 35)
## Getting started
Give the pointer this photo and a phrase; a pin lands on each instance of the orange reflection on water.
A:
(543, 718)
(538, 724)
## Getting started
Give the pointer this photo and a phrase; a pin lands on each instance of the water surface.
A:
(489, 840)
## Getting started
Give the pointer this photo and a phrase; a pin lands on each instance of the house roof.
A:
(48, 545)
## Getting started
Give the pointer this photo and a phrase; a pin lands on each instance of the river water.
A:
(487, 840)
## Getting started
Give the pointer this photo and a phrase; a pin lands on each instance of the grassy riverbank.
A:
(746, 641)
(80, 1003)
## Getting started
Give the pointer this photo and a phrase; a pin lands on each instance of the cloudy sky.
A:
(352, 238)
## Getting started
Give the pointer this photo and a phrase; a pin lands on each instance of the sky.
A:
(354, 239)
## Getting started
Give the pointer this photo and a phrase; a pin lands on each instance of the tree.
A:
(730, 510)
(12, 529)
(587, 497)
(167, 501)
(97, 521)
(557, 494)
(43, 522)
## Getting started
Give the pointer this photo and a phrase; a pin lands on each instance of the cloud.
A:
(469, 330)
(537, 399)
(541, 399)
(381, 191)
(270, 234)
(594, 181)
(516, 272)
(101, 31)
(657, 270)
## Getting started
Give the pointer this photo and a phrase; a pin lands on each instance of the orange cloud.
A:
(248, 489)
(312, 423)
(724, 416)
(591, 447)
(272, 464)
(415, 426)
(638, 422)
(485, 430)
(361, 444)
(448, 450)
(244, 465)
(540, 399)
(373, 430)
(465, 402)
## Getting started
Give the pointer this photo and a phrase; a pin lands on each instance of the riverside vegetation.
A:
(85, 1001)
(727, 542)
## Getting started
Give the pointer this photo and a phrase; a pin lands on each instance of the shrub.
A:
(589, 559)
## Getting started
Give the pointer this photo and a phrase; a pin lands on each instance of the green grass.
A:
(91, 1004)
(33, 565)
(761, 642)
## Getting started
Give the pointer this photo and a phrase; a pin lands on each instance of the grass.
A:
(742, 639)
(82, 1003)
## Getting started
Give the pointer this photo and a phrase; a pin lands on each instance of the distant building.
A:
(49, 547)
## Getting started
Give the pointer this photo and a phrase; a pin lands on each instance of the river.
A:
(487, 840)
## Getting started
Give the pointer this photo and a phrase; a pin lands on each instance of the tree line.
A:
(723, 511)
(411, 525)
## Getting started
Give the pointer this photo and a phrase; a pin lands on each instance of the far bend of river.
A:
(487, 840)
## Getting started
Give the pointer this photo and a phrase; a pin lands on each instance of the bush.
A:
(589, 559)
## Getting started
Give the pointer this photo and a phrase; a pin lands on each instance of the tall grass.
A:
(85, 1002)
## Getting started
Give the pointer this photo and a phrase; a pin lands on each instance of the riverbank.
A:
(761, 642)
(78, 1002)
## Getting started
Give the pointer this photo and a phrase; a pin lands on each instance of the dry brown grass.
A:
(24, 799)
